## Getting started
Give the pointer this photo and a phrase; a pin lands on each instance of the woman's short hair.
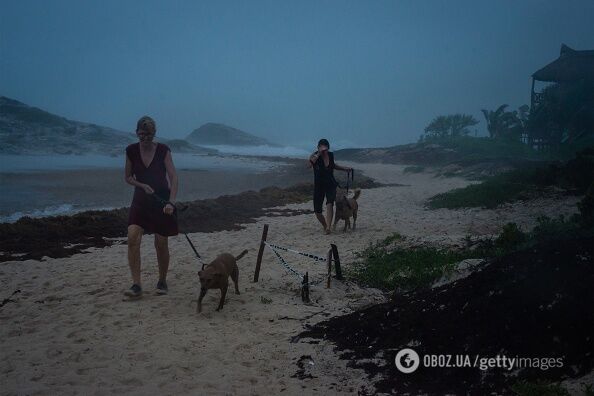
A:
(324, 142)
(146, 123)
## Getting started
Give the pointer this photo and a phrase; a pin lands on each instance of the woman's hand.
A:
(168, 209)
(148, 189)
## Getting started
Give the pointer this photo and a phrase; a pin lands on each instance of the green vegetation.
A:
(540, 388)
(576, 175)
(510, 125)
(265, 300)
(450, 126)
(505, 187)
(389, 266)
(547, 229)
(474, 149)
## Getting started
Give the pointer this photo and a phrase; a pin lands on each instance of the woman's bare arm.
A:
(130, 179)
(342, 168)
(312, 159)
(171, 175)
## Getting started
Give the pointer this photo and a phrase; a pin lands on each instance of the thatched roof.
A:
(571, 65)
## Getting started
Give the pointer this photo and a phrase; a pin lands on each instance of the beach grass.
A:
(574, 175)
(387, 266)
(496, 190)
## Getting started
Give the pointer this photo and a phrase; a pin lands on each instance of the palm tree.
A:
(453, 125)
(495, 121)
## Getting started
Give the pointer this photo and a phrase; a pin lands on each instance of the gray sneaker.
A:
(162, 287)
(134, 291)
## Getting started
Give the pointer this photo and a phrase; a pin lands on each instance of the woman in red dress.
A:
(150, 169)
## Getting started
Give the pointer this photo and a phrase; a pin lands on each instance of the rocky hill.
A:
(220, 134)
(29, 130)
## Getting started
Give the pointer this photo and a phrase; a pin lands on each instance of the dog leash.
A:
(184, 207)
(350, 178)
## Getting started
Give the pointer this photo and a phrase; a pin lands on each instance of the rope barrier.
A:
(291, 269)
(311, 256)
(287, 266)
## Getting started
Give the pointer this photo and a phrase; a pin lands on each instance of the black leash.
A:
(183, 208)
(350, 179)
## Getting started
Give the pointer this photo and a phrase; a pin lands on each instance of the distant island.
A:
(29, 130)
(219, 134)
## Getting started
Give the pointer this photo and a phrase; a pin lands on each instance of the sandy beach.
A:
(69, 331)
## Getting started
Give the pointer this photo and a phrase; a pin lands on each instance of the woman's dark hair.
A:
(147, 124)
(324, 142)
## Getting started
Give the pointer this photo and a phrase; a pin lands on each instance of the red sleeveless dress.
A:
(145, 210)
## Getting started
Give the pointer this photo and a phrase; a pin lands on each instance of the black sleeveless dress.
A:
(146, 211)
(324, 182)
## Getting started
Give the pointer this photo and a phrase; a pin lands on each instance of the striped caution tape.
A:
(311, 256)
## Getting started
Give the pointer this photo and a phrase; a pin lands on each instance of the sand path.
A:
(69, 332)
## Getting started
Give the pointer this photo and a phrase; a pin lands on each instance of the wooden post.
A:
(329, 268)
(260, 253)
(337, 268)
(305, 289)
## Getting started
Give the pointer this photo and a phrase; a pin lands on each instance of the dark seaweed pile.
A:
(534, 303)
(63, 236)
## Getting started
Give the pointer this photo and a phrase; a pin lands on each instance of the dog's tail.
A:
(241, 254)
(357, 193)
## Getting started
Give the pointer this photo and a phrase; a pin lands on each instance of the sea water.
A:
(49, 185)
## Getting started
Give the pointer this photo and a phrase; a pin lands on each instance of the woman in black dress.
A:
(150, 169)
(322, 162)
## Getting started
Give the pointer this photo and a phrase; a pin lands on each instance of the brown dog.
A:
(216, 276)
(346, 208)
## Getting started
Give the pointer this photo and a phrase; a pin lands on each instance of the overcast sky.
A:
(363, 73)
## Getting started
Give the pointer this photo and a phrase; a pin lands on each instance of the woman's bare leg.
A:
(134, 238)
(322, 220)
(162, 247)
(329, 215)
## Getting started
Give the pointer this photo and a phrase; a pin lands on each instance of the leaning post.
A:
(305, 289)
(329, 268)
(337, 268)
(260, 253)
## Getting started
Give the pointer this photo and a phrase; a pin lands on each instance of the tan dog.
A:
(216, 276)
(346, 208)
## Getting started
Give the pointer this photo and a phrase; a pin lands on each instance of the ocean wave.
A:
(266, 151)
(54, 210)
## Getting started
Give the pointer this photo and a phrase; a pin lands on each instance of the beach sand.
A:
(69, 331)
